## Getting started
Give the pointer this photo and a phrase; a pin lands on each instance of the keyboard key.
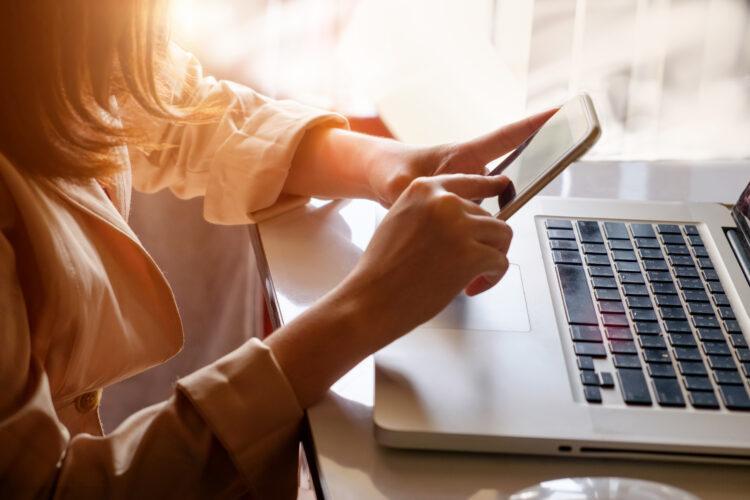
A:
(618, 333)
(614, 319)
(576, 296)
(694, 296)
(620, 245)
(610, 306)
(705, 263)
(721, 363)
(626, 361)
(704, 400)
(655, 265)
(623, 347)
(692, 368)
(695, 240)
(661, 370)
(717, 348)
(633, 386)
(681, 260)
(592, 394)
(662, 276)
(663, 288)
(687, 354)
(732, 326)
(590, 349)
(627, 267)
(714, 287)
(673, 239)
(624, 255)
(601, 272)
(746, 369)
(607, 379)
(691, 229)
(635, 290)
(681, 340)
(743, 354)
(589, 377)
(638, 301)
(734, 397)
(594, 248)
(726, 313)
(667, 392)
(710, 275)
(668, 313)
(720, 299)
(677, 326)
(643, 230)
(647, 243)
(737, 340)
(585, 333)
(667, 300)
(643, 315)
(710, 335)
(558, 224)
(585, 363)
(686, 272)
(677, 250)
(651, 253)
(616, 231)
(604, 282)
(700, 251)
(704, 322)
(607, 294)
(698, 384)
(589, 231)
(647, 328)
(690, 284)
(561, 234)
(652, 342)
(668, 229)
(566, 257)
(596, 260)
(656, 356)
(728, 377)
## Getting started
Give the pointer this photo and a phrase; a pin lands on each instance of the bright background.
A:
(670, 78)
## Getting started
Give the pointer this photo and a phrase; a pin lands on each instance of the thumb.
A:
(482, 284)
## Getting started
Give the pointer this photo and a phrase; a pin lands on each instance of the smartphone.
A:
(564, 138)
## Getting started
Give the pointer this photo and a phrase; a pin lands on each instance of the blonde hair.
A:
(62, 61)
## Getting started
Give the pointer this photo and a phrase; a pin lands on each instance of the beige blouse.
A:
(82, 306)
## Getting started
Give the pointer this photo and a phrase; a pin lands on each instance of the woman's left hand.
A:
(398, 164)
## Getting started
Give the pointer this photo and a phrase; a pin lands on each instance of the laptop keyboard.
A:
(644, 305)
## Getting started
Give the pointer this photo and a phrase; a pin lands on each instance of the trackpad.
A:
(501, 308)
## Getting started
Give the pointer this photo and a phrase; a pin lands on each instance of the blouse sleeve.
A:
(238, 163)
(228, 429)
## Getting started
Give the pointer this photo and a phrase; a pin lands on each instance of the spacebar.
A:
(576, 295)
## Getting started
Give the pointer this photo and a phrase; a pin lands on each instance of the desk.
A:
(304, 253)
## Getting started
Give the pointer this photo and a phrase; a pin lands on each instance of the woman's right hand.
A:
(433, 243)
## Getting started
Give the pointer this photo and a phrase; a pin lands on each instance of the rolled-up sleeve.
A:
(238, 162)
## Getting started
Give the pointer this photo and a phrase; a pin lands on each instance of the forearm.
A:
(336, 163)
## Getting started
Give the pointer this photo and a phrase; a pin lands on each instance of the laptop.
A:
(620, 330)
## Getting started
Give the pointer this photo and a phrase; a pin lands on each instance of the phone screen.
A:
(543, 150)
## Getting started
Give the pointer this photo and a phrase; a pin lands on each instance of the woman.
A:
(93, 96)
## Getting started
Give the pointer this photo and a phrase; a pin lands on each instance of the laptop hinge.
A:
(740, 251)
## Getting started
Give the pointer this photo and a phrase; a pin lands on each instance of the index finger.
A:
(473, 187)
(505, 139)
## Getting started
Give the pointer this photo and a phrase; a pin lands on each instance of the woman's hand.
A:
(431, 245)
(396, 165)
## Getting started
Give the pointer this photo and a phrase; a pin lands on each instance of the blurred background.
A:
(670, 78)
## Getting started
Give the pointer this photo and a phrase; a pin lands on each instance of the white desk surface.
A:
(309, 250)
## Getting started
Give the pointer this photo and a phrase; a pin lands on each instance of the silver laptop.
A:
(620, 330)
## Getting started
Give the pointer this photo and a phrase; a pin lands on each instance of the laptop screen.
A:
(742, 213)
